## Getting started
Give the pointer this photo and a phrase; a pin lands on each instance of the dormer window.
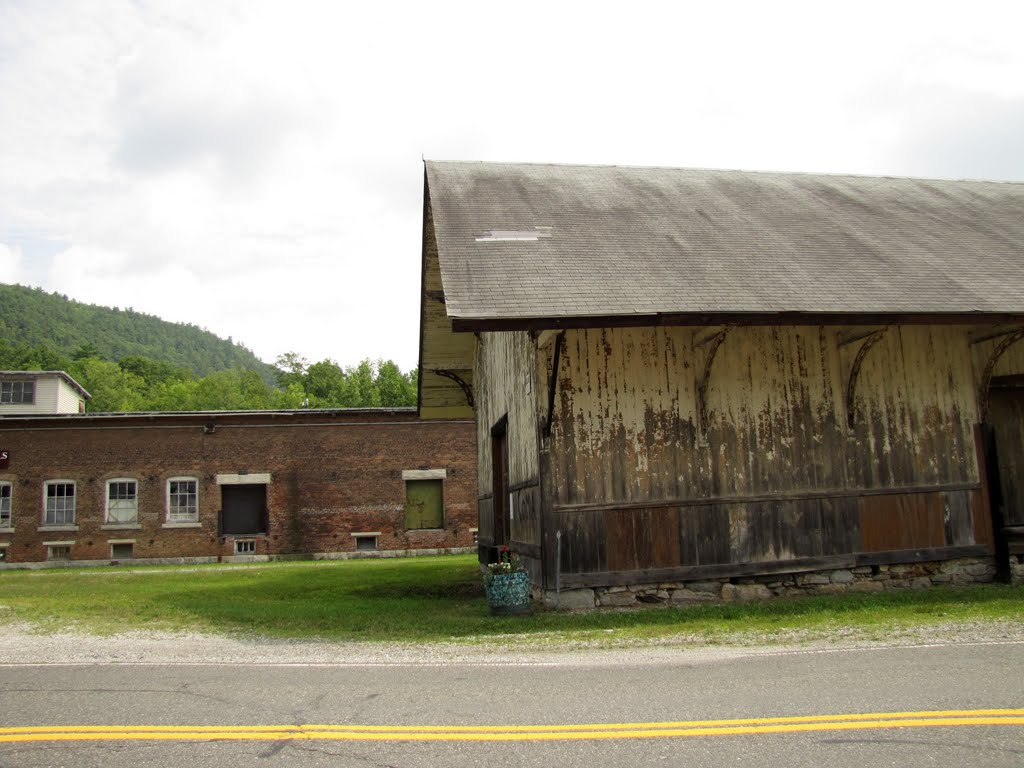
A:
(22, 392)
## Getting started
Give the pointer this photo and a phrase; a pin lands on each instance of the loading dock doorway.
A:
(243, 509)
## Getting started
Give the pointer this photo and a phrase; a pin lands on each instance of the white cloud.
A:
(11, 270)
(253, 167)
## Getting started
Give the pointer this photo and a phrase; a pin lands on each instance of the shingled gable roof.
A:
(561, 245)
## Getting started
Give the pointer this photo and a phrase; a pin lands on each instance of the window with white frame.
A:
(122, 501)
(5, 505)
(60, 503)
(183, 500)
(18, 392)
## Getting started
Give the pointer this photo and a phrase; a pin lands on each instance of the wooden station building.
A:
(694, 384)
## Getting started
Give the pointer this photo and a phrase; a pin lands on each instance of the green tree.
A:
(86, 350)
(112, 389)
(290, 368)
(153, 371)
(325, 384)
(396, 388)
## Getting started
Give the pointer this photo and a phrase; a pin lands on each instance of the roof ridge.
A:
(743, 171)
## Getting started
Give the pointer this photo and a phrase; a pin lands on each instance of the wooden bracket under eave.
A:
(467, 390)
(711, 340)
(868, 340)
(986, 376)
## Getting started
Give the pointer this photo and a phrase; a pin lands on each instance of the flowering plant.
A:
(507, 563)
(507, 585)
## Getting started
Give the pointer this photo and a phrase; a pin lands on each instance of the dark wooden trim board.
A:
(705, 501)
(483, 324)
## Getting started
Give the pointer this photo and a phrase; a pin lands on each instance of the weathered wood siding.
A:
(507, 387)
(441, 397)
(773, 470)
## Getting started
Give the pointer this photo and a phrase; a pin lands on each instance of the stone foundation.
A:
(1017, 569)
(868, 578)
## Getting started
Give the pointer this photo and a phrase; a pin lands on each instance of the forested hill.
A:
(32, 316)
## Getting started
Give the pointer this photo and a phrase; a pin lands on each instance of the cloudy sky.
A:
(255, 167)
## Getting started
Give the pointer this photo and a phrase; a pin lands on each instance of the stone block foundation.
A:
(870, 578)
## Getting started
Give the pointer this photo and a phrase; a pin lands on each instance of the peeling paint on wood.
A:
(801, 480)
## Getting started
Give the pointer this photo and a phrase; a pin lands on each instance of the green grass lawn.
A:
(432, 599)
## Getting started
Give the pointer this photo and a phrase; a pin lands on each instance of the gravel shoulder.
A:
(23, 645)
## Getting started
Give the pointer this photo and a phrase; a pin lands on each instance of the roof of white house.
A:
(519, 242)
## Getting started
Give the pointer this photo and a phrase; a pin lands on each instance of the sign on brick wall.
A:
(5, 458)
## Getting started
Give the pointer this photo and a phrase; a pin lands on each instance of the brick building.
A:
(222, 485)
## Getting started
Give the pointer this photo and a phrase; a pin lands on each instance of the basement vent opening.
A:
(513, 235)
(365, 542)
(245, 546)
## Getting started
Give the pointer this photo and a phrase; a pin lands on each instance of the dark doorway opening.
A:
(499, 485)
(243, 510)
(1003, 443)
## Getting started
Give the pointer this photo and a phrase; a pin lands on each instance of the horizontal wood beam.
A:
(447, 365)
(835, 493)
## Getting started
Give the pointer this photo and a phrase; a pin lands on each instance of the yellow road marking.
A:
(667, 729)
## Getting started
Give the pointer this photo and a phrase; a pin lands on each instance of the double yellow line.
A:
(684, 728)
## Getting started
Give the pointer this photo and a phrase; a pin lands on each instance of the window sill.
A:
(182, 525)
(121, 527)
(46, 528)
(6, 529)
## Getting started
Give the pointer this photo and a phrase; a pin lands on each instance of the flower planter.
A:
(508, 593)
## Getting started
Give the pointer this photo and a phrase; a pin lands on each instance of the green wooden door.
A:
(424, 504)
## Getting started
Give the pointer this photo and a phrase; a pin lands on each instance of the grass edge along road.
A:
(576, 732)
(441, 599)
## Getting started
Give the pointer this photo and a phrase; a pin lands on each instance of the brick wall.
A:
(331, 474)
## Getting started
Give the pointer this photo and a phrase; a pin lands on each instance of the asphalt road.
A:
(915, 706)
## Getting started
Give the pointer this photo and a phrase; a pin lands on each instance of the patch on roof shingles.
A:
(513, 235)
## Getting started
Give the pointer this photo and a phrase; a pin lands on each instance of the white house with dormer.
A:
(40, 393)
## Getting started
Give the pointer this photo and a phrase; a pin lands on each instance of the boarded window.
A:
(424, 504)
(122, 501)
